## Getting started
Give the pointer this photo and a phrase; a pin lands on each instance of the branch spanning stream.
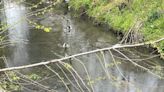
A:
(79, 54)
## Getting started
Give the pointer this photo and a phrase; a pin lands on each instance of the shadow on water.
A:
(69, 36)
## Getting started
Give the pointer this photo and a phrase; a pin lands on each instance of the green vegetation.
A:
(123, 15)
(11, 81)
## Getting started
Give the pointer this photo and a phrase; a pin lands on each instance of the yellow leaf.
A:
(38, 27)
(47, 29)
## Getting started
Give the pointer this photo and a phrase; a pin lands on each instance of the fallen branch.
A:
(77, 55)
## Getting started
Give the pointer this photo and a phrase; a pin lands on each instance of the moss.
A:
(123, 14)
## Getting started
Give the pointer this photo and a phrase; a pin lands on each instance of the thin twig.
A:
(117, 66)
(134, 63)
(58, 77)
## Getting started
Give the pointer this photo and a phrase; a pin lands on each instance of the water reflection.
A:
(17, 32)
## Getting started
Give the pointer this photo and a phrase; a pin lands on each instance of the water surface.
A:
(31, 45)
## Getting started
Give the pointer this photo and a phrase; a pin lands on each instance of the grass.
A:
(121, 15)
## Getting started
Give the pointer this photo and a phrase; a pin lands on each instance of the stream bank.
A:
(142, 20)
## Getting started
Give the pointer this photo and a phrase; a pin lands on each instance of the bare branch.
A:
(80, 54)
